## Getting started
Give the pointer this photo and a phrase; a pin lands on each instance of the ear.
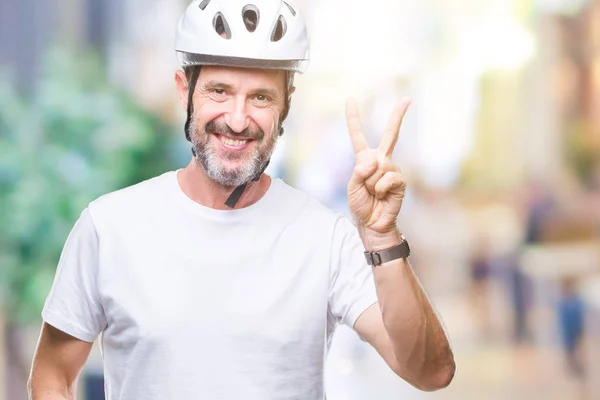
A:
(182, 88)
(292, 90)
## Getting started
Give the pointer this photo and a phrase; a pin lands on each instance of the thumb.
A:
(363, 170)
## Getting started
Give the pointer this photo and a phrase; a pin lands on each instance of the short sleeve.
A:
(352, 289)
(73, 304)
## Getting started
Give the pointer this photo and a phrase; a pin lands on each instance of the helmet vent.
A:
(251, 15)
(221, 26)
(280, 29)
(203, 4)
(290, 7)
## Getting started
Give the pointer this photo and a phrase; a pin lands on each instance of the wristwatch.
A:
(376, 258)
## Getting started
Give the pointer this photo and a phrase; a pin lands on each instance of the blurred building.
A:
(576, 84)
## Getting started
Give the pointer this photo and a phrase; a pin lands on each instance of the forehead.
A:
(244, 77)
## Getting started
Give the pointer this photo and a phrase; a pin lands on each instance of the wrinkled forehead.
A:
(245, 77)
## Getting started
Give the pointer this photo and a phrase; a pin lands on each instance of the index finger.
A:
(359, 142)
(390, 137)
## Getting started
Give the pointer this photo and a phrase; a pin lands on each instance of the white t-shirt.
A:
(197, 303)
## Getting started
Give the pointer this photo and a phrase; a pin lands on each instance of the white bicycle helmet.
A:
(249, 33)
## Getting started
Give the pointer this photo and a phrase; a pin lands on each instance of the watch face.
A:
(406, 244)
(369, 258)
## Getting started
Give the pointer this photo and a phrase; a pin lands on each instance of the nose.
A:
(237, 118)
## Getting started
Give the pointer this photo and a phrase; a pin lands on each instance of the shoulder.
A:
(131, 200)
(303, 204)
(302, 201)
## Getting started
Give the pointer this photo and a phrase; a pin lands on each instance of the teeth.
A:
(231, 142)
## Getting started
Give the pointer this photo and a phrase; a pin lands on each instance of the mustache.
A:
(253, 132)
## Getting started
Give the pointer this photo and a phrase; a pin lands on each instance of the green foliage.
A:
(75, 139)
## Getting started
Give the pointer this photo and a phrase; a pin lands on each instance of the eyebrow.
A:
(217, 84)
(214, 84)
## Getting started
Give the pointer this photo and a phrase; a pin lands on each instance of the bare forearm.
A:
(420, 344)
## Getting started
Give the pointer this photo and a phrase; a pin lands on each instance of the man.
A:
(218, 282)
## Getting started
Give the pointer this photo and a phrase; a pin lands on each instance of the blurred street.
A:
(486, 369)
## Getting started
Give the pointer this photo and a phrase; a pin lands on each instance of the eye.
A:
(216, 94)
(263, 99)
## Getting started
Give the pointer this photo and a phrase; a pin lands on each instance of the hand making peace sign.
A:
(376, 188)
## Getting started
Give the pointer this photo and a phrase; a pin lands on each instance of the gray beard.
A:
(208, 158)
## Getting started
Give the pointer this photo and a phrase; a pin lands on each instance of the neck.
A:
(199, 187)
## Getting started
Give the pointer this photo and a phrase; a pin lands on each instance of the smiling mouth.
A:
(233, 143)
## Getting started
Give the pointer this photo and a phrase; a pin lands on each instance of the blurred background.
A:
(501, 148)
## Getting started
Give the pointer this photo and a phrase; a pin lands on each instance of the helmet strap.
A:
(190, 104)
